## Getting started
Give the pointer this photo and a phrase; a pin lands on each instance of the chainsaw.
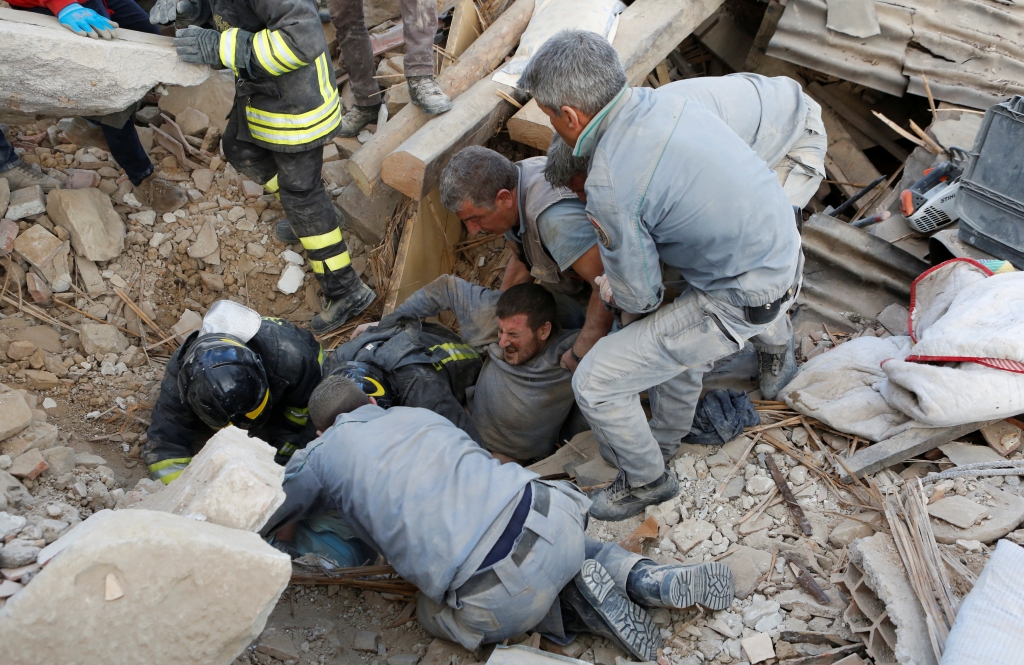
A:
(930, 203)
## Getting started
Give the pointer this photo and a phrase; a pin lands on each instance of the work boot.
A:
(776, 367)
(619, 501)
(424, 91)
(284, 232)
(84, 133)
(337, 312)
(159, 194)
(591, 604)
(707, 584)
(358, 117)
(27, 175)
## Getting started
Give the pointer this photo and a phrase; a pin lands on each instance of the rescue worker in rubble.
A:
(669, 182)
(772, 115)
(286, 108)
(548, 227)
(240, 369)
(403, 361)
(522, 403)
(419, 25)
(494, 550)
(114, 132)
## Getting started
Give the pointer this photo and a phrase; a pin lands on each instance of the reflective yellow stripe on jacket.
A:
(167, 470)
(455, 352)
(274, 54)
(228, 49)
(300, 128)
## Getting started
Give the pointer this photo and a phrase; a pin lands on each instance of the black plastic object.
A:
(991, 195)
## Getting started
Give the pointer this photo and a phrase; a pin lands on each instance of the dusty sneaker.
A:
(424, 91)
(358, 117)
(83, 133)
(337, 312)
(283, 232)
(619, 501)
(604, 611)
(707, 584)
(776, 367)
(159, 194)
(28, 175)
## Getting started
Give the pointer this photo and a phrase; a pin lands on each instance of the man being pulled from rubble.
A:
(554, 240)
(419, 25)
(669, 182)
(114, 132)
(240, 369)
(772, 115)
(286, 108)
(522, 402)
(405, 362)
(494, 551)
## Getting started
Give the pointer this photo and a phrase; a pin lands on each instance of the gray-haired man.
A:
(494, 551)
(772, 115)
(669, 182)
(548, 226)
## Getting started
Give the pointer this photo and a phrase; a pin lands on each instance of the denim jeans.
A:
(668, 354)
(123, 142)
(8, 158)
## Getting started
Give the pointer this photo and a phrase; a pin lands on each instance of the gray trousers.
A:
(419, 21)
(666, 353)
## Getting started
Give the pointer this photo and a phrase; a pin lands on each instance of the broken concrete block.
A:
(758, 648)
(337, 173)
(397, 99)
(40, 379)
(10, 524)
(37, 288)
(690, 533)
(49, 70)
(89, 461)
(81, 179)
(17, 553)
(99, 339)
(47, 253)
(291, 280)
(850, 530)
(8, 234)
(1003, 437)
(14, 414)
(1006, 510)
(206, 242)
(251, 190)
(961, 453)
(26, 202)
(883, 610)
(39, 436)
(958, 511)
(59, 460)
(894, 319)
(19, 350)
(203, 179)
(28, 465)
(233, 481)
(193, 122)
(91, 278)
(280, 647)
(366, 640)
(97, 232)
(43, 337)
(214, 97)
(186, 325)
(193, 592)
(748, 565)
(347, 145)
(368, 215)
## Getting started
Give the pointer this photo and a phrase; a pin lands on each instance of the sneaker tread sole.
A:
(630, 622)
(708, 584)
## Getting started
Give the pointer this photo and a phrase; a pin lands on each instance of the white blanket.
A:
(963, 363)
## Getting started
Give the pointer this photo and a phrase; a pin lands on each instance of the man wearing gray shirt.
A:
(669, 182)
(494, 551)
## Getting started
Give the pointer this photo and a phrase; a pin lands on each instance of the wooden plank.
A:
(902, 447)
(769, 22)
(479, 59)
(868, 126)
(531, 127)
(464, 31)
(425, 250)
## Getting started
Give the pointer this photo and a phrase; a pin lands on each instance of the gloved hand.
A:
(606, 289)
(198, 45)
(85, 22)
(182, 13)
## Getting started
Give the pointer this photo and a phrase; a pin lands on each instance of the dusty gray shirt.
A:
(518, 409)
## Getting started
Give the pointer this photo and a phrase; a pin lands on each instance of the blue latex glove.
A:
(85, 22)
(198, 45)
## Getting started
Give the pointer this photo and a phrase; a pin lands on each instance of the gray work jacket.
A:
(670, 181)
(411, 485)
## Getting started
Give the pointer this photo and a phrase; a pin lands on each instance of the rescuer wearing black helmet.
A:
(240, 369)
(404, 362)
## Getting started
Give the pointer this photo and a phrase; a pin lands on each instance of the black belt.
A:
(762, 314)
(486, 579)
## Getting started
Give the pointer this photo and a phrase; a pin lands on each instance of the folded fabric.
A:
(720, 417)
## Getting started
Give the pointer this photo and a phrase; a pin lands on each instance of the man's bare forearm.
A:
(598, 323)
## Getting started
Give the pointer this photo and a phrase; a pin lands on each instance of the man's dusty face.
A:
(519, 343)
(497, 220)
(577, 184)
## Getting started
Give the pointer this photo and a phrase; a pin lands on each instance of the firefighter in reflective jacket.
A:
(286, 108)
(216, 379)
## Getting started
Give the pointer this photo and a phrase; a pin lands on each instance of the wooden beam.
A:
(866, 125)
(648, 31)
(764, 34)
(464, 31)
(486, 53)
(902, 447)
(476, 115)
